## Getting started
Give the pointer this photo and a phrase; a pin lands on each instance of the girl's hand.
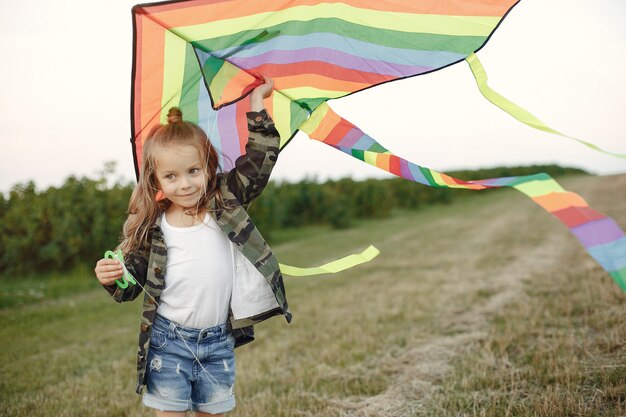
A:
(108, 270)
(261, 92)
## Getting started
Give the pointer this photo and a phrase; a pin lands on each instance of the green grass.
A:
(33, 289)
(484, 307)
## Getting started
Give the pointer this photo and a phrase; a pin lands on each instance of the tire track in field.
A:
(493, 259)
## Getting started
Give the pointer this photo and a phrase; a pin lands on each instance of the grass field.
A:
(485, 307)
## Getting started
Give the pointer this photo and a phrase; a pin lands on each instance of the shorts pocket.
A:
(158, 340)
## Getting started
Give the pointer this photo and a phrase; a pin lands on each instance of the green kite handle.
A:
(126, 276)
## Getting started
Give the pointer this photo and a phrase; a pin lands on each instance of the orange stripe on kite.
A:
(382, 161)
(326, 126)
(559, 201)
(448, 180)
(137, 126)
(238, 85)
(457, 183)
(150, 83)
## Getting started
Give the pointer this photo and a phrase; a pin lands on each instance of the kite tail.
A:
(516, 111)
(601, 236)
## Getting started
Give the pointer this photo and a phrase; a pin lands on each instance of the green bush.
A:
(60, 228)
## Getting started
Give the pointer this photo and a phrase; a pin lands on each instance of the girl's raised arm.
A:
(252, 169)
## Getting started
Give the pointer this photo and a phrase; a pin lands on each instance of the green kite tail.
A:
(516, 111)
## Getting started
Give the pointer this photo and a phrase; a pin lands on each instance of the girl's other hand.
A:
(108, 270)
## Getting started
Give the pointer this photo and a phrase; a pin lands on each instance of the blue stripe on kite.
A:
(366, 50)
(417, 174)
(496, 182)
(207, 120)
(611, 256)
(364, 143)
(345, 150)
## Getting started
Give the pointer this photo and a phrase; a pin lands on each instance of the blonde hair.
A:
(143, 207)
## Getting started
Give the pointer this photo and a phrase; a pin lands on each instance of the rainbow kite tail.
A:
(601, 236)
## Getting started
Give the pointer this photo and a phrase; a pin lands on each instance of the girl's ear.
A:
(159, 196)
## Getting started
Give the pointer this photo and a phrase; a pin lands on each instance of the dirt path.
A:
(488, 271)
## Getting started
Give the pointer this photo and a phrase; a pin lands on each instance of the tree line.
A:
(62, 227)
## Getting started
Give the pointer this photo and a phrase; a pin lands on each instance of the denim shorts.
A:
(190, 369)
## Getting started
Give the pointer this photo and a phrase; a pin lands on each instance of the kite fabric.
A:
(205, 56)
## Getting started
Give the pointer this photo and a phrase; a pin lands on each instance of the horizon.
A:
(120, 180)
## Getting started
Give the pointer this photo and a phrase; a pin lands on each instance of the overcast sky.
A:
(65, 96)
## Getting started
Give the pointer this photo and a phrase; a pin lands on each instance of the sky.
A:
(65, 96)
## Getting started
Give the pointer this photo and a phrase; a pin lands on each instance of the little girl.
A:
(207, 273)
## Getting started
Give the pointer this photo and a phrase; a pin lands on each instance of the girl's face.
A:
(180, 175)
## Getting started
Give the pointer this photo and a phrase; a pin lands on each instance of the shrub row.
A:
(62, 227)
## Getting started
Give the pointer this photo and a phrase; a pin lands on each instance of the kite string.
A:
(212, 379)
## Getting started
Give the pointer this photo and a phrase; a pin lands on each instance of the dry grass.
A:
(486, 307)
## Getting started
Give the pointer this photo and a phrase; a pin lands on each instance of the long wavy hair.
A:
(146, 205)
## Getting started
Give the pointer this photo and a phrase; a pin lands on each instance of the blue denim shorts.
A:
(190, 369)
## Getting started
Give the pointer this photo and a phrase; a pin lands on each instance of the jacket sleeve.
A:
(252, 169)
(137, 266)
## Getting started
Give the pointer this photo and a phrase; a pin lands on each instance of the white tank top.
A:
(198, 274)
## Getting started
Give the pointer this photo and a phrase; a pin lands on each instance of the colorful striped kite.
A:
(205, 55)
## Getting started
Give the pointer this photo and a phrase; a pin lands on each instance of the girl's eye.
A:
(194, 170)
(169, 177)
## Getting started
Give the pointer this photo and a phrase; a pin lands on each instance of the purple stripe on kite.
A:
(598, 232)
(364, 143)
(417, 174)
(328, 56)
(228, 134)
(405, 170)
(351, 138)
(612, 256)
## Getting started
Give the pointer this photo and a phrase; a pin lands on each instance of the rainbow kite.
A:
(206, 55)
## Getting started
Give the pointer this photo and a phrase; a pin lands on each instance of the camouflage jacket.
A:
(238, 188)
